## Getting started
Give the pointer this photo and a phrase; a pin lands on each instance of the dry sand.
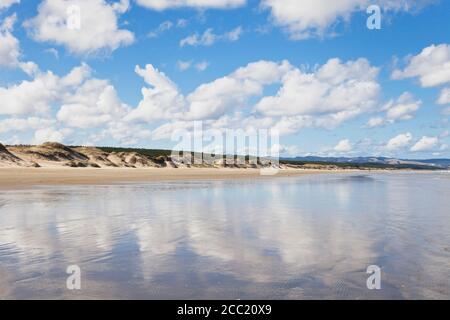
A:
(23, 177)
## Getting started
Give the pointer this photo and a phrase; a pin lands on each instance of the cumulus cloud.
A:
(426, 144)
(317, 17)
(37, 95)
(162, 101)
(50, 134)
(80, 101)
(93, 104)
(4, 4)
(53, 106)
(200, 4)
(210, 100)
(57, 22)
(376, 122)
(25, 124)
(9, 45)
(336, 92)
(444, 97)
(208, 38)
(431, 66)
(344, 146)
(399, 142)
(402, 108)
(29, 97)
(342, 89)
(10, 53)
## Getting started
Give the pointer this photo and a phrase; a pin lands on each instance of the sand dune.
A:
(7, 159)
(52, 154)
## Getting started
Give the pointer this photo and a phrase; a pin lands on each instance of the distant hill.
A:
(435, 163)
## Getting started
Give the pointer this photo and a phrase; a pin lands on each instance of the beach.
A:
(311, 236)
(23, 177)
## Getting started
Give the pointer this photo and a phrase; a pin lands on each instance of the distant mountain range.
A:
(436, 163)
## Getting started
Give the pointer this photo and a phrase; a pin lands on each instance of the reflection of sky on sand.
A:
(307, 237)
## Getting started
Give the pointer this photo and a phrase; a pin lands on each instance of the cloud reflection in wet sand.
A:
(307, 237)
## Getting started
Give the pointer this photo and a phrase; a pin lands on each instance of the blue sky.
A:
(133, 72)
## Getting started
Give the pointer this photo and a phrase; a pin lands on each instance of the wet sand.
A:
(24, 177)
(306, 237)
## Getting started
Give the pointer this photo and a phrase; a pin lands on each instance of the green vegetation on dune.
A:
(154, 153)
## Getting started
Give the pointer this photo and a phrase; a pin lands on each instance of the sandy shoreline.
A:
(11, 178)
(24, 177)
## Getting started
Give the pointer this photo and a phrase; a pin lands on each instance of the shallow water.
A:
(309, 237)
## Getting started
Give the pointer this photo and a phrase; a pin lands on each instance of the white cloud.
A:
(444, 97)
(210, 100)
(98, 25)
(234, 34)
(201, 4)
(202, 66)
(166, 26)
(162, 101)
(214, 99)
(163, 27)
(50, 134)
(62, 103)
(403, 108)
(376, 122)
(182, 23)
(53, 52)
(7, 3)
(38, 95)
(399, 142)
(186, 65)
(324, 97)
(10, 52)
(93, 104)
(183, 65)
(343, 146)
(342, 89)
(283, 150)
(24, 124)
(30, 97)
(431, 66)
(426, 144)
(82, 101)
(208, 38)
(317, 17)
(9, 45)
